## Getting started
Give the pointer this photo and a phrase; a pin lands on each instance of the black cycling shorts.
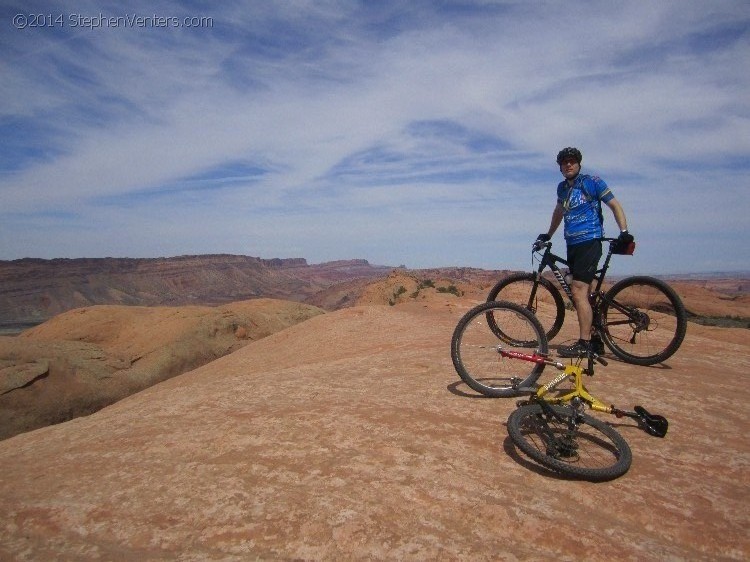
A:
(583, 260)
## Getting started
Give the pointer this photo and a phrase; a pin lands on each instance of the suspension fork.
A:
(537, 280)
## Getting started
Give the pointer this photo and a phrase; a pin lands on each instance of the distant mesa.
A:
(34, 290)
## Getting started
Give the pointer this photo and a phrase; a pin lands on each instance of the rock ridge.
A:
(33, 290)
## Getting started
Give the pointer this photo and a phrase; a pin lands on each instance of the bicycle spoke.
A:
(643, 320)
(540, 298)
(474, 348)
(587, 449)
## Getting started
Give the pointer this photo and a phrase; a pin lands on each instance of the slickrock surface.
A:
(88, 358)
(349, 436)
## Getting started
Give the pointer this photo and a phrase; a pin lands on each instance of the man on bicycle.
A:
(579, 198)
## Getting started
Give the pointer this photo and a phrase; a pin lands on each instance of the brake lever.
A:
(538, 245)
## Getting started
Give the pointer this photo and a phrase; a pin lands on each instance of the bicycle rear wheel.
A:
(474, 348)
(643, 321)
(542, 299)
(570, 443)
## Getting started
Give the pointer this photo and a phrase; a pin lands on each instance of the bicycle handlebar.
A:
(538, 245)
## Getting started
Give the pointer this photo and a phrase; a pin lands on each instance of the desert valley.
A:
(233, 408)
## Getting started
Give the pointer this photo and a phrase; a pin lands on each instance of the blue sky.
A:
(417, 133)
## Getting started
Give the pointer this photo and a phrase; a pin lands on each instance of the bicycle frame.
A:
(653, 424)
(579, 390)
(573, 370)
(551, 261)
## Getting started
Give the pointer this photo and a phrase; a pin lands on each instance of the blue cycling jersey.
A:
(582, 208)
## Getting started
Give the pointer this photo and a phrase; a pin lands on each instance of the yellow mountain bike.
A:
(551, 426)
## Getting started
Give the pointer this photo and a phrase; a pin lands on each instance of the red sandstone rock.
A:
(349, 436)
(85, 359)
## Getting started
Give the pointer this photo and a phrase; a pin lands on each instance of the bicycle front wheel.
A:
(643, 320)
(569, 442)
(474, 348)
(540, 298)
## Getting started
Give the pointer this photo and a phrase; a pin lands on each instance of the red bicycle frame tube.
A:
(523, 356)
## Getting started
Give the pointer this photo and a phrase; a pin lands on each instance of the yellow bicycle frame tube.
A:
(579, 390)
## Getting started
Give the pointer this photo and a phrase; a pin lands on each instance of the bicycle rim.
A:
(475, 355)
(593, 451)
(643, 320)
(545, 302)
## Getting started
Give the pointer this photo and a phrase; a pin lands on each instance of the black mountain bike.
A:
(640, 319)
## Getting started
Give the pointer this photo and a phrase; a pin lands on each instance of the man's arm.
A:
(557, 217)
(618, 212)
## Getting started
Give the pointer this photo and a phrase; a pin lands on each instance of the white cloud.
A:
(426, 133)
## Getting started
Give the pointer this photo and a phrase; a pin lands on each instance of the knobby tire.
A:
(474, 348)
(643, 321)
(596, 452)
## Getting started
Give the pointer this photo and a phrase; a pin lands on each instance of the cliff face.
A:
(34, 290)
